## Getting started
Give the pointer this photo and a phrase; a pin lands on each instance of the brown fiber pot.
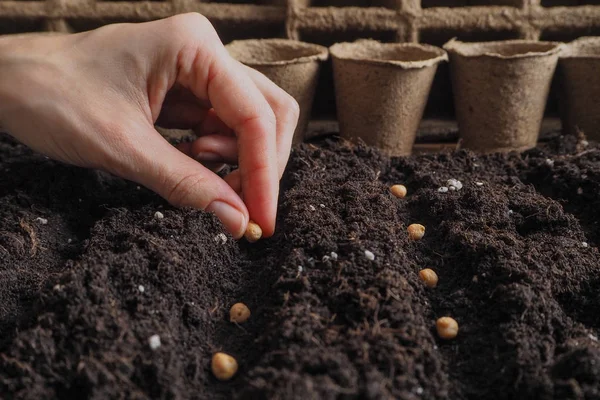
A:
(292, 65)
(500, 91)
(579, 69)
(381, 91)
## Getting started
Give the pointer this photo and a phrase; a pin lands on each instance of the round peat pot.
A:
(381, 91)
(292, 65)
(578, 66)
(500, 91)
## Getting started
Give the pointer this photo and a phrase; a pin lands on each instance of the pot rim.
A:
(344, 51)
(490, 49)
(577, 48)
(317, 52)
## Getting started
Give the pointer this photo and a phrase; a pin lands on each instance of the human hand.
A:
(92, 99)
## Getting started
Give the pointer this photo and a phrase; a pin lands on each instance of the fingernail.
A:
(233, 219)
(208, 157)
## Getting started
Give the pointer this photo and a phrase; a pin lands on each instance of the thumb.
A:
(184, 182)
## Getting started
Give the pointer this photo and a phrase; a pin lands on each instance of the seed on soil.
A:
(549, 162)
(41, 220)
(399, 191)
(429, 277)
(239, 313)
(479, 184)
(447, 328)
(416, 231)
(141, 288)
(584, 244)
(334, 256)
(159, 215)
(223, 366)
(253, 232)
(154, 342)
(370, 256)
(443, 189)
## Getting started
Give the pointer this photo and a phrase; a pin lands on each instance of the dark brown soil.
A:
(514, 272)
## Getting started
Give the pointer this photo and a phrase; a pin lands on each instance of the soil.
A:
(81, 295)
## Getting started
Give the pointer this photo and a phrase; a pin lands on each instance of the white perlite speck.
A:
(443, 189)
(325, 258)
(221, 237)
(300, 269)
(159, 215)
(312, 208)
(594, 338)
(479, 184)
(549, 162)
(141, 289)
(584, 244)
(454, 183)
(322, 205)
(154, 342)
(41, 220)
(334, 256)
(369, 255)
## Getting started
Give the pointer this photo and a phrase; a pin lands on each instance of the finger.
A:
(215, 148)
(286, 111)
(182, 181)
(242, 106)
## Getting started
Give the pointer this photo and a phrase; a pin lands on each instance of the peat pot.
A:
(292, 65)
(381, 91)
(500, 91)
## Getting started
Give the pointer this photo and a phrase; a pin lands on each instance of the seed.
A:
(239, 313)
(429, 277)
(399, 191)
(447, 328)
(223, 366)
(159, 215)
(253, 232)
(369, 254)
(416, 231)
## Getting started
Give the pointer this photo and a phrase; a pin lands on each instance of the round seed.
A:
(447, 328)
(253, 232)
(239, 313)
(416, 231)
(223, 366)
(429, 277)
(399, 191)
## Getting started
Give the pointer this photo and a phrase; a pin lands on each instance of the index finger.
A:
(242, 106)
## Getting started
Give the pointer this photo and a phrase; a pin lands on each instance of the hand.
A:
(92, 99)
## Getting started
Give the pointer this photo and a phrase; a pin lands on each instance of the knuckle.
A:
(184, 189)
(286, 107)
(292, 108)
(192, 22)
